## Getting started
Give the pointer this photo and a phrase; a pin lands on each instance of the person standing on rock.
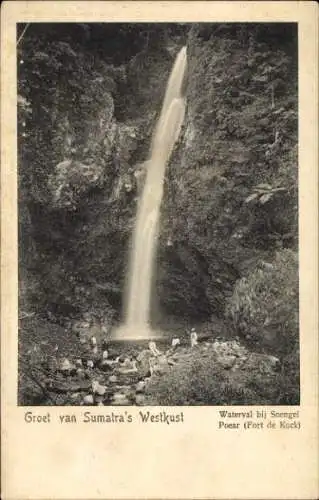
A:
(193, 337)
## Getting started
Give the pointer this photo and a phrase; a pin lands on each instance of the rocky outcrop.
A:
(240, 135)
(102, 373)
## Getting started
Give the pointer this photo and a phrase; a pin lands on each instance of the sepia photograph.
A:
(159, 250)
(158, 214)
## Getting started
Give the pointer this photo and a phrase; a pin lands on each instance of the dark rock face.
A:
(240, 131)
(189, 282)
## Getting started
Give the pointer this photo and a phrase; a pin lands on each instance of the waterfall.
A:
(145, 235)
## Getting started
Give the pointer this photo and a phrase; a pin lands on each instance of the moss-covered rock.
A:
(240, 132)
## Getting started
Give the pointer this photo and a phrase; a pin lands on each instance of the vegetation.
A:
(201, 381)
(88, 99)
(265, 303)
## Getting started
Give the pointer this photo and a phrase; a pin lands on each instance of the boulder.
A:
(140, 386)
(88, 399)
(120, 399)
(66, 367)
(70, 180)
(140, 399)
(143, 362)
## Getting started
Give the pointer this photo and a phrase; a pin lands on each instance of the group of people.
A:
(175, 342)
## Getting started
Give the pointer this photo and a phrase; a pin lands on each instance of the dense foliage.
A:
(265, 303)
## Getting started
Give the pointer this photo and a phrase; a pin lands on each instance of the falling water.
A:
(137, 315)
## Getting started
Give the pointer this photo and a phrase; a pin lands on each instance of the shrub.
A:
(288, 383)
(265, 303)
(199, 380)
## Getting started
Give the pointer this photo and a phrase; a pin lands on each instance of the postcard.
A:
(159, 195)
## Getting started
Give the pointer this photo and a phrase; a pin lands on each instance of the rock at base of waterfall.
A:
(128, 366)
(227, 362)
(95, 350)
(120, 399)
(126, 390)
(129, 378)
(143, 363)
(97, 388)
(88, 399)
(105, 366)
(80, 373)
(144, 355)
(264, 363)
(66, 367)
(139, 399)
(140, 386)
(159, 365)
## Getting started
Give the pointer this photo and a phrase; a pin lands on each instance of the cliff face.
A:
(85, 123)
(231, 186)
(240, 133)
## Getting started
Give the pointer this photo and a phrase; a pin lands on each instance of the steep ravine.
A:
(229, 214)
